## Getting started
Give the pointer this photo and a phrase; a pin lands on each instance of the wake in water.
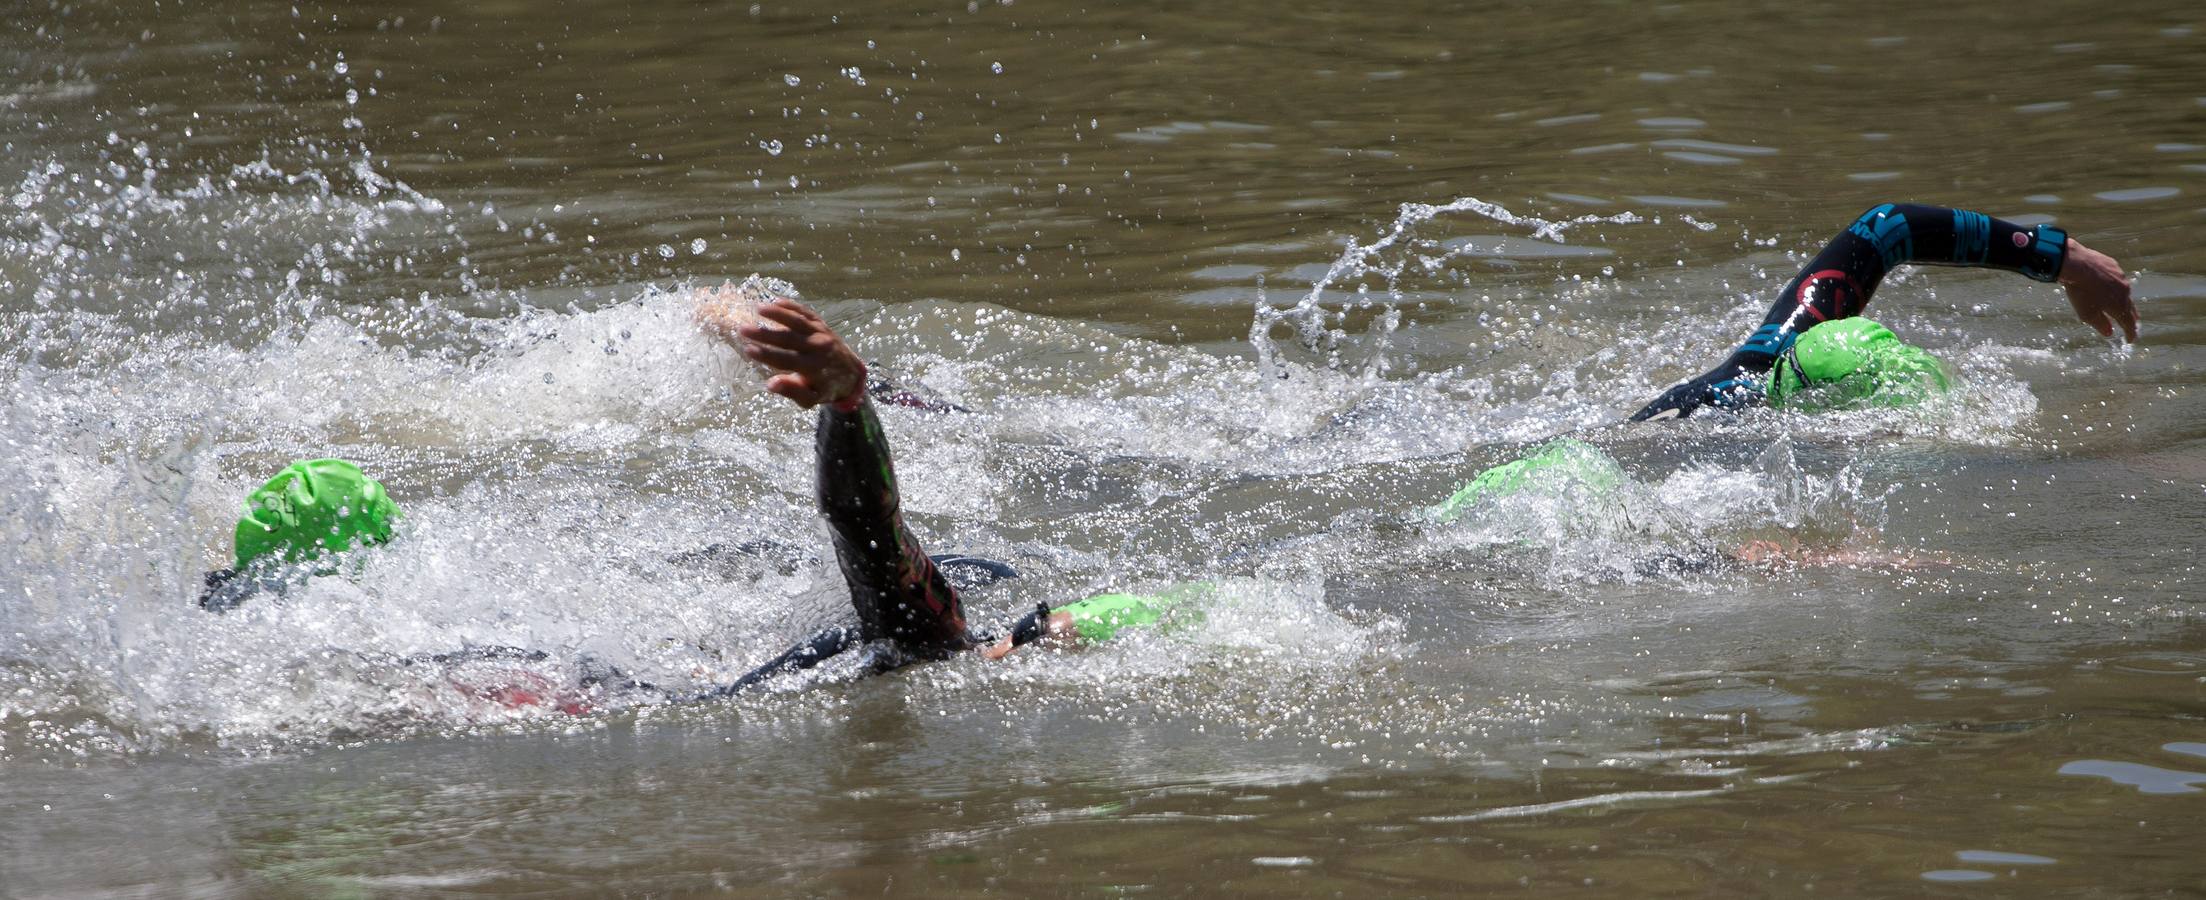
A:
(558, 466)
(1389, 257)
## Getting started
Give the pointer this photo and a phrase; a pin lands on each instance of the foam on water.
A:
(525, 526)
(556, 462)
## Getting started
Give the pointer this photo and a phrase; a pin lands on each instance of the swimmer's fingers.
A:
(1676, 403)
(2099, 291)
(775, 356)
(792, 348)
(717, 320)
(819, 375)
(817, 366)
(2090, 312)
(792, 315)
(800, 330)
(822, 358)
(797, 388)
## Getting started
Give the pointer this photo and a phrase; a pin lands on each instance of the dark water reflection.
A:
(2027, 715)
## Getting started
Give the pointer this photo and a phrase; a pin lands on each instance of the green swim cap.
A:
(1559, 464)
(312, 506)
(1102, 617)
(1853, 362)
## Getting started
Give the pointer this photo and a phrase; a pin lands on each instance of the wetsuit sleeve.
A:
(1837, 284)
(810, 652)
(898, 592)
(224, 590)
(227, 589)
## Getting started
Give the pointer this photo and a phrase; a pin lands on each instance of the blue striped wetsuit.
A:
(1837, 284)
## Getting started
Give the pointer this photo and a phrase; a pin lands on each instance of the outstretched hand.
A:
(811, 362)
(2099, 291)
(1728, 386)
(1676, 403)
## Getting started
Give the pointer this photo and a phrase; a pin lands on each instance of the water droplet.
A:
(772, 148)
(955, 255)
(996, 67)
(352, 97)
(666, 251)
(792, 80)
(343, 67)
(697, 247)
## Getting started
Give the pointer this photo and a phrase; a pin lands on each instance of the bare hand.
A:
(1061, 632)
(2099, 291)
(815, 365)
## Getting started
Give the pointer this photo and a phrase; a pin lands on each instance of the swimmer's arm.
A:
(1935, 235)
(812, 651)
(1838, 282)
(1041, 625)
(1101, 617)
(1791, 553)
(897, 591)
(895, 588)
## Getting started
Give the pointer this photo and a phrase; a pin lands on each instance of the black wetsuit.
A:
(900, 594)
(1837, 284)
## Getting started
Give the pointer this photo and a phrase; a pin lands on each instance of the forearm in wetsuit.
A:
(810, 652)
(831, 641)
(1837, 284)
(898, 592)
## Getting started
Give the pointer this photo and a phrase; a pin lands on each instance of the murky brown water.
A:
(423, 235)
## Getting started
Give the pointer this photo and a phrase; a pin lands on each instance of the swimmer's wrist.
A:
(2049, 249)
(2063, 275)
(1031, 627)
(849, 402)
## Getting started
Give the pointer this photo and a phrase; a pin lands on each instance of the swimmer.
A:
(1585, 479)
(1836, 285)
(905, 605)
(1840, 364)
(311, 509)
(1813, 352)
(908, 608)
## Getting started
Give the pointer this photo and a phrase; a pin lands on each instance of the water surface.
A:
(1200, 279)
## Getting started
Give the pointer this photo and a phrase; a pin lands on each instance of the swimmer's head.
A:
(313, 507)
(1563, 465)
(1853, 362)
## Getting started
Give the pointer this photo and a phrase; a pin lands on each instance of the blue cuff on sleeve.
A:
(2047, 253)
(1771, 339)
